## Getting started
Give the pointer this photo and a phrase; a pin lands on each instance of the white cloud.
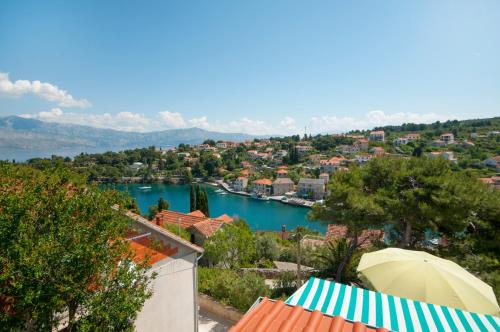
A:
(125, 121)
(334, 124)
(42, 90)
(128, 121)
(172, 120)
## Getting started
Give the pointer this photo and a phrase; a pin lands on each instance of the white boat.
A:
(219, 191)
(223, 193)
(145, 188)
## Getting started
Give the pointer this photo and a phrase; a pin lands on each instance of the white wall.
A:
(172, 305)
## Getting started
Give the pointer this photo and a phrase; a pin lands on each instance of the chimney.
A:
(158, 220)
(283, 231)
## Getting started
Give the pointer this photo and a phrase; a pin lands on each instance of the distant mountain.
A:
(22, 138)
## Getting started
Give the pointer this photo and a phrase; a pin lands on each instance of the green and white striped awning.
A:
(391, 312)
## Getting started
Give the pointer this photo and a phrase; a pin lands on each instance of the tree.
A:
(152, 211)
(297, 235)
(331, 257)
(64, 256)
(353, 204)
(232, 246)
(162, 204)
(192, 199)
(266, 247)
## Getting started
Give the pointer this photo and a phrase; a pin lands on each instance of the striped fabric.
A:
(387, 311)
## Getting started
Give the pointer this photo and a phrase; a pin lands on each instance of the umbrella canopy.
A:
(421, 276)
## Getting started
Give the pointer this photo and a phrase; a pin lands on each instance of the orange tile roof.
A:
(245, 172)
(197, 213)
(144, 247)
(336, 232)
(208, 227)
(272, 316)
(377, 132)
(282, 171)
(263, 181)
(173, 217)
(224, 218)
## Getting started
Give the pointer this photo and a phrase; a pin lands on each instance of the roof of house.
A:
(271, 315)
(148, 224)
(377, 132)
(311, 181)
(224, 218)
(332, 161)
(197, 213)
(174, 217)
(266, 182)
(145, 247)
(496, 158)
(336, 232)
(282, 171)
(283, 181)
(208, 227)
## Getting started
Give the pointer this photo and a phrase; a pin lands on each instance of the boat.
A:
(219, 191)
(261, 197)
(145, 188)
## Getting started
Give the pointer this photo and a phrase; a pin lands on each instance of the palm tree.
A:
(333, 255)
(297, 235)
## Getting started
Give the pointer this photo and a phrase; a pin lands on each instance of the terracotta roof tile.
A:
(224, 218)
(266, 182)
(336, 232)
(207, 227)
(173, 217)
(197, 213)
(144, 247)
(271, 315)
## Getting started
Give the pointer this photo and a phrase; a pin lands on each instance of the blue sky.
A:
(264, 67)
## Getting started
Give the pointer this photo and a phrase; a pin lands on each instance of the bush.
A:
(229, 287)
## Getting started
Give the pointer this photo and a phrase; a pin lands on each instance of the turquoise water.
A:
(260, 215)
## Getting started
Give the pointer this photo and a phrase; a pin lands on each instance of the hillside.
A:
(21, 138)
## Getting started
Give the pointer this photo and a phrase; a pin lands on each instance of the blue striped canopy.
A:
(391, 312)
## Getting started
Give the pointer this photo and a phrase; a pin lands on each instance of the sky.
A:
(258, 67)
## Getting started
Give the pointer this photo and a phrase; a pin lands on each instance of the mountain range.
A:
(23, 138)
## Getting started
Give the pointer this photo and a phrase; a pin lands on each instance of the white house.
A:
(447, 138)
(173, 305)
(313, 188)
(377, 136)
(240, 184)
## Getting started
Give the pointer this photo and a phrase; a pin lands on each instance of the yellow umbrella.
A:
(421, 276)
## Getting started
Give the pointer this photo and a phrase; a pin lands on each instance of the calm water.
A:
(260, 215)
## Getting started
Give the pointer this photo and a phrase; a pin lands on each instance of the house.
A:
(447, 138)
(331, 165)
(136, 166)
(314, 159)
(365, 239)
(438, 143)
(493, 162)
(263, 186)
(312, 188)
(493, 133)
(347, 149)
(174, 261)
(412, 137)
(280, 153)
(281, 173)
(325, 177)
(401, 141)
(493, 182)
(361, 143)
(377, 136)
(183, 155)
(448, 155)
(363, 158)
(221, 145)
(282, 185)
(303, 149)
(467, 144)
(240, 184)
(377, 151)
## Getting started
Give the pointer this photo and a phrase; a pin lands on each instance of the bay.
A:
(260, 215)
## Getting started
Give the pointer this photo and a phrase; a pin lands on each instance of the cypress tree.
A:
(192, 199)
(198, 197)
(205, 203)
(162, 204)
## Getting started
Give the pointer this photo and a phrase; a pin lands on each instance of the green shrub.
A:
(229, 287)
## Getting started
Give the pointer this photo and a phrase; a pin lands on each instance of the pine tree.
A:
(198, 197)
(192, 199)
(162, 204)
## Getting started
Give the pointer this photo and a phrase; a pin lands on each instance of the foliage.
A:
(192, 199)
(182, 232)
(331, 256)
(61, 252)
(232, 288)
(285, 284)
(162, 204)
(232, 246)
(152, 211)
(266, 247)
